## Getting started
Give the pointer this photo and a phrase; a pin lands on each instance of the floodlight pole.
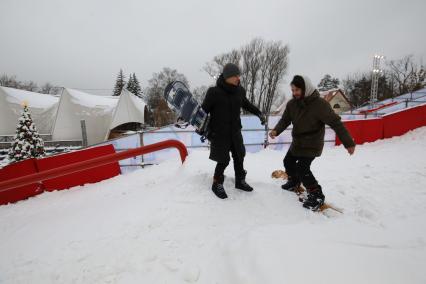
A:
(375, 79)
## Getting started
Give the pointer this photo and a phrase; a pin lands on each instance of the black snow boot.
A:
(315, 198)
(243, 185)
(291, 184)
(218, 188)
(240, 183)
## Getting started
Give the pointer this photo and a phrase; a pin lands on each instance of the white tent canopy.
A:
(130, 108)
(61, 117)
(75, 106)
(42, 107)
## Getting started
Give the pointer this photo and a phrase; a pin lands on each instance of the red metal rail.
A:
(93, 163)
(377, 108)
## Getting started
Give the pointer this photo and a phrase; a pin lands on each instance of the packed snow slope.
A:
(162, 224)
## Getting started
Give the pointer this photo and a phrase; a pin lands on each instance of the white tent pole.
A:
(57, 112)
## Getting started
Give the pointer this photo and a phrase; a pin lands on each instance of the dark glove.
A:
(262, 118)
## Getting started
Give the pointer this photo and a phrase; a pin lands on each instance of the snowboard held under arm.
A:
(188, 110)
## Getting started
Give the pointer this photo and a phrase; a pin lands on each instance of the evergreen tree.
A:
(119, 84)
(137, 90)
(130, 84)
(27, 142)
(328, 83)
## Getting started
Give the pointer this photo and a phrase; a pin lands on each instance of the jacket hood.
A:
(309, 87)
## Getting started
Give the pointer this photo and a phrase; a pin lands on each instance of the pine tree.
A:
(328, 83)
(27, 142)
(137, 90)
(120, 83)
(130, 84)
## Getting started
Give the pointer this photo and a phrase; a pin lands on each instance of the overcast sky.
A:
(82, 44)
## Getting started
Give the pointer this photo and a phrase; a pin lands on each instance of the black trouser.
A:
(240, 173)
(299, 170)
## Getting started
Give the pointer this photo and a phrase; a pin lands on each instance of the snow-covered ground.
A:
(163, 225)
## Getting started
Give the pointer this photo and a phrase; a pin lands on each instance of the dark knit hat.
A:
(299, 82)
(230, 70)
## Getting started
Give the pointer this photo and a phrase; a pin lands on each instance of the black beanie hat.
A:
(230, 70)
(299, 82)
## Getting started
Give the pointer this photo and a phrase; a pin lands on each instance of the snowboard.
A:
(188, 110)
(301, 193)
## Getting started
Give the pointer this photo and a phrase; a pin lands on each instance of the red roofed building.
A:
(337, 99)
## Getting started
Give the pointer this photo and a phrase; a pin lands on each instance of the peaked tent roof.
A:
(42, 107)
(75, 106)
(130, 108)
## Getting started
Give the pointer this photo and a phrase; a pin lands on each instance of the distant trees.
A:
(9, 81)
(328, 83)
(400, 76)
(263, 66)
(133, 85)
(157, 84)
(406, 75)
(13, 82)
(48, 88)
(161, 114)
(199, 93)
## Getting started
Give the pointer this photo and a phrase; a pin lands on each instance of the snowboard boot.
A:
(291, 184)
(240, 183)
(218, 188)
(315, 198)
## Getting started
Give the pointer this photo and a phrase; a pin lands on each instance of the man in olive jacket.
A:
(224, 102)
(308, 113)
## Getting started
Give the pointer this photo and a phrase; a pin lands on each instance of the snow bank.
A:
(163, 225)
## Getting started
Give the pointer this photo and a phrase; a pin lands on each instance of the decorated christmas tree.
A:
(27, 143)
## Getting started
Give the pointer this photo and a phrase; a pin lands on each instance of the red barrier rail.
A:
(378, 108)
(93, 163)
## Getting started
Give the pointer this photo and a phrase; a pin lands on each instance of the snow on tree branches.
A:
(27, 142)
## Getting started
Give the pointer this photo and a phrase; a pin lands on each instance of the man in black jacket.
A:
(224, 102)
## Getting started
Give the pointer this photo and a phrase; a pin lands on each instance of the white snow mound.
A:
(162, 224)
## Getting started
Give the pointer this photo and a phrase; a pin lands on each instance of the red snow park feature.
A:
(387, 126)
(26, 167)
(24, 179)
(377, 108)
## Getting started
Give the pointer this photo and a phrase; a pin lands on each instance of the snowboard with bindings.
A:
(301, 193)
(188, 110)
